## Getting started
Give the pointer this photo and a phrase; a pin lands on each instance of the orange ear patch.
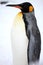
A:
(31, 8)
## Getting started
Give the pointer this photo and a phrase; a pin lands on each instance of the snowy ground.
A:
(6, 20)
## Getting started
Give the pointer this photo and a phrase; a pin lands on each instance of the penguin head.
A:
(25, 7)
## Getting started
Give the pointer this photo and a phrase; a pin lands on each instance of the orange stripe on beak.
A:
(18, 7)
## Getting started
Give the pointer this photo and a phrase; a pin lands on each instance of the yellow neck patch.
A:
(18, 21)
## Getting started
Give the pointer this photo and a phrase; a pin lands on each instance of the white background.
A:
(7, 15)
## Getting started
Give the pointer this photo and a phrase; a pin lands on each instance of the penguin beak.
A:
(17, 6)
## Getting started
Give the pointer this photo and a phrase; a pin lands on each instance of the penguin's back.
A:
(19, 41)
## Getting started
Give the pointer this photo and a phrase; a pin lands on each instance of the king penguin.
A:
(26, 38)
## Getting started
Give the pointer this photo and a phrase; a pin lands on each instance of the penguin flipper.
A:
(34, 45)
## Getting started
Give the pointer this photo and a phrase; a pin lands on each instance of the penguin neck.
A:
(28, 13)
(27, 17)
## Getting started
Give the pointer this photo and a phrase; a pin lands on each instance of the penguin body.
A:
(26, 36)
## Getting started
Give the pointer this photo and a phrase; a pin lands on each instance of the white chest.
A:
(19, 41)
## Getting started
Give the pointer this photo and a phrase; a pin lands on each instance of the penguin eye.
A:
(31, 8)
